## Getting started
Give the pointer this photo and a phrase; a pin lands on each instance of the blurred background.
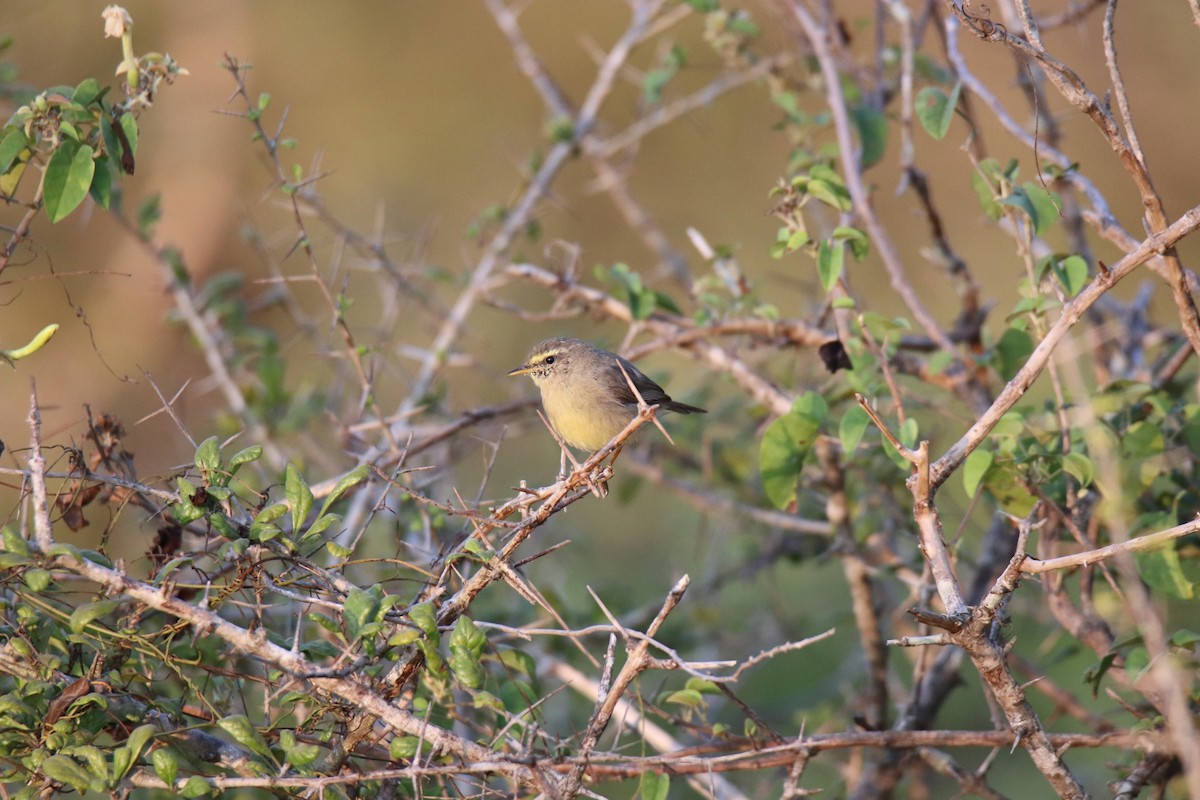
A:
(419, 120)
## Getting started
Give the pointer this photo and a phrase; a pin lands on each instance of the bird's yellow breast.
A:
(585, 428)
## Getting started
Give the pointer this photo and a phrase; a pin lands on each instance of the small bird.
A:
(585, 394)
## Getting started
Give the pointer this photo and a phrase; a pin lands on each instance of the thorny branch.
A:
(866, 531)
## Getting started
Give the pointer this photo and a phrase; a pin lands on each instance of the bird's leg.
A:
(600, 487)
(616, 453)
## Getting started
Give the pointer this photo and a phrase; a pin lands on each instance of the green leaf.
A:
(271, 513)
(14, 542)
(166, 765)
(322, 522)
(689, 698)
(641, 300)
(1079, 467)
(666, 302)
(654, 786)
(1143, 440)
(128, 123)
(987, 197)
(831, 257)
(795, 239)
(466, 647)
(403, 748)
(1137, 661)
(299, 496)
(196, 787)
(860, 245)
(487, 700)
(340, 552)
(851, 429)
(872, 134)
(11, 146)
(1072, 273)
(424, 617)
(467, 636)
(64, 769)
(68, 178)
(356, 475)
(827, 193)
(245, 734)
(95, 760)
(1012, 351)
(171, 566)
(1161, 570)
(87, 91)
(66, 550)
(781, 455)
(433, 659)
(1047, 206)
(85, 614)
(655, 81)
(13, 560)
(11, 179)
(1019, 200)
(208, 455)
(519, 661)
(1185, 638)
(813, 405)
(135, 744)
(907, 434)
(975, 468)
(939, 361)
(101, 188)
(359, 609)
(245, 456)
(37, 580)
(935, 109)
(301, 755)
(1040, 206)
(403, 637)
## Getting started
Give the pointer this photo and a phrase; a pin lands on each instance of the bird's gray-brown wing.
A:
(651, 392)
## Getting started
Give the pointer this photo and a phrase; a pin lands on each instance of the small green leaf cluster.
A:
(364, 616)
(656, 80)
(82, 141)
(209, 495)
(86, 767)
(1140, 454)
(997, 189)
(935, 109)
(729, 32)
(60, 732)
(822, 184)
(642, 300)
(499, 680)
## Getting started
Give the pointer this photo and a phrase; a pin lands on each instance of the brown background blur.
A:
(421, 118)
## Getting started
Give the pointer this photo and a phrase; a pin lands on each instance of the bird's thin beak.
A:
(524, 369)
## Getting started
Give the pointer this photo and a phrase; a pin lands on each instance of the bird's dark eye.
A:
(549, 360)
